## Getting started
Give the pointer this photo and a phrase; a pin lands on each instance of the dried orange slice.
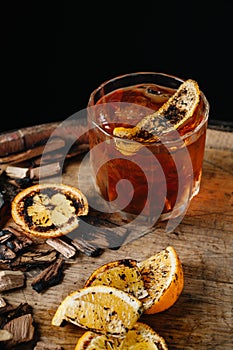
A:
(49, 210)
(163, 278)
(101, 309)
(123, 274)
(140, 337)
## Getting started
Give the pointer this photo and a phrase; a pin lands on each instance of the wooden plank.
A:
(202, 317)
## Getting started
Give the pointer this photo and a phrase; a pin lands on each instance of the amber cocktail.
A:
(155, 177)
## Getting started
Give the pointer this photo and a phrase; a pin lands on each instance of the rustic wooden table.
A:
(202, 318)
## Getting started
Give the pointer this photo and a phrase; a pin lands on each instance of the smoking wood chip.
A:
(21, 328)
(45, 346)
(66, 249)
(11, 280)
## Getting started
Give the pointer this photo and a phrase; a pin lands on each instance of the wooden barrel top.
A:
(202, 317)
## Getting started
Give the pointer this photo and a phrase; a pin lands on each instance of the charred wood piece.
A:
(51, 276)
(34, 258)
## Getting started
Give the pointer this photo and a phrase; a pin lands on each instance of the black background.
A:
(53, 54)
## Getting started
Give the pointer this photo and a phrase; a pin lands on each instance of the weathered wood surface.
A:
(202, 318)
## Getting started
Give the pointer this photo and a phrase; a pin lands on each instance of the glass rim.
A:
(132, 74)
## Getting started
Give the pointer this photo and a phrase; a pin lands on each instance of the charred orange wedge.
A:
(140, 337)
(123, 274)
(157, 281)
(101, 309)
(49, 210)
(163, 277)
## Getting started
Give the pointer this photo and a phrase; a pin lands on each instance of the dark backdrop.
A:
(55, 54)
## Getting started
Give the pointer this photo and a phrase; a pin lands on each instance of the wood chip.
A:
(86, 247)
(51, 276)
(44, 171)
(11, 280)
(66, 249)
(39, 255)
(16, 172)
(21, 328)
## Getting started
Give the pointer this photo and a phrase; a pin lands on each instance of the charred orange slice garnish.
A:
(141, 336)
(170, 116)
(163, 277)
(49, 210)
(101, 309)
(123, 274)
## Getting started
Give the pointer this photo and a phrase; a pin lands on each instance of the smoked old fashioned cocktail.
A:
(146, 150)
